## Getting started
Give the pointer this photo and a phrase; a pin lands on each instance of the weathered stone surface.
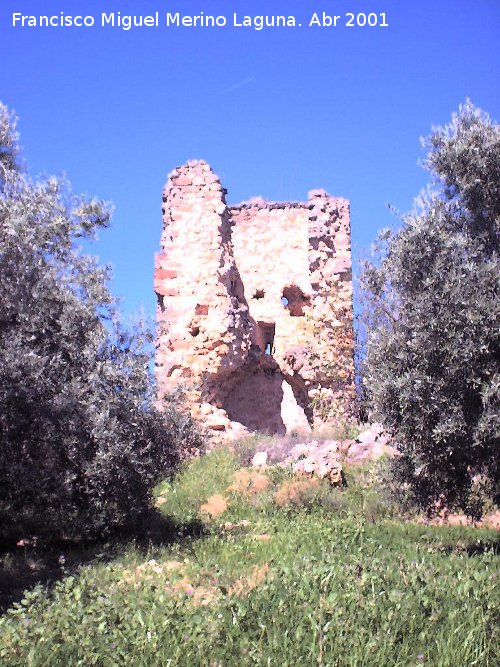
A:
(371, 444)
(320, 456)
(259, 459)
(254, 307)
(317, 459)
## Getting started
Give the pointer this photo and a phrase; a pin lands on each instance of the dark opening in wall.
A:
(254, 400)
(265, 336)
(259, 294)
(159, 301)
(294, 300)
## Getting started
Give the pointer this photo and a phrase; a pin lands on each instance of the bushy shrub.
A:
(81, 444)
(432, 365)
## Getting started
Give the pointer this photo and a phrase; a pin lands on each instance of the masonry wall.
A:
(254, 307)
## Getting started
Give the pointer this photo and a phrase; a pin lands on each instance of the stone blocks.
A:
(254, 306)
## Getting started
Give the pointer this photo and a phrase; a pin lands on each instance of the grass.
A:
(330, 577)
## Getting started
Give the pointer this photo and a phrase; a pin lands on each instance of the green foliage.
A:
(325, 589)
(433, 309)
(196, 482)
(81, 445)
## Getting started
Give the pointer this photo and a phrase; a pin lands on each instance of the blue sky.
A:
(275, 112)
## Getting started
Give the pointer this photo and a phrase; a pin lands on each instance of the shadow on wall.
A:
(261, 396)
(256, 396)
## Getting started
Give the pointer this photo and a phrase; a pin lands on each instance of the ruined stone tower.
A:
(254, 307)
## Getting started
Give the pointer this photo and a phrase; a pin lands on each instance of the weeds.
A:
(328, 578)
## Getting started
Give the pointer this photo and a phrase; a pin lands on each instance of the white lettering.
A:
(326, 21)
(128, 21)
(173, 19)
(261, 22)
(55, 21)
(197, 21)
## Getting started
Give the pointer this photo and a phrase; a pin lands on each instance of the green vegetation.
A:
(81, 443)
(433, 307)
(248, 567)
(330, 577)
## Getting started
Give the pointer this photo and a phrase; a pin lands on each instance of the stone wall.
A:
(254, 307)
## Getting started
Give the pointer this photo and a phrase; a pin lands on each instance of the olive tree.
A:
(432, 358)
(80, 442)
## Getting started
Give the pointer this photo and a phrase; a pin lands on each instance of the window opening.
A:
(294, 300)
(265, 337)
